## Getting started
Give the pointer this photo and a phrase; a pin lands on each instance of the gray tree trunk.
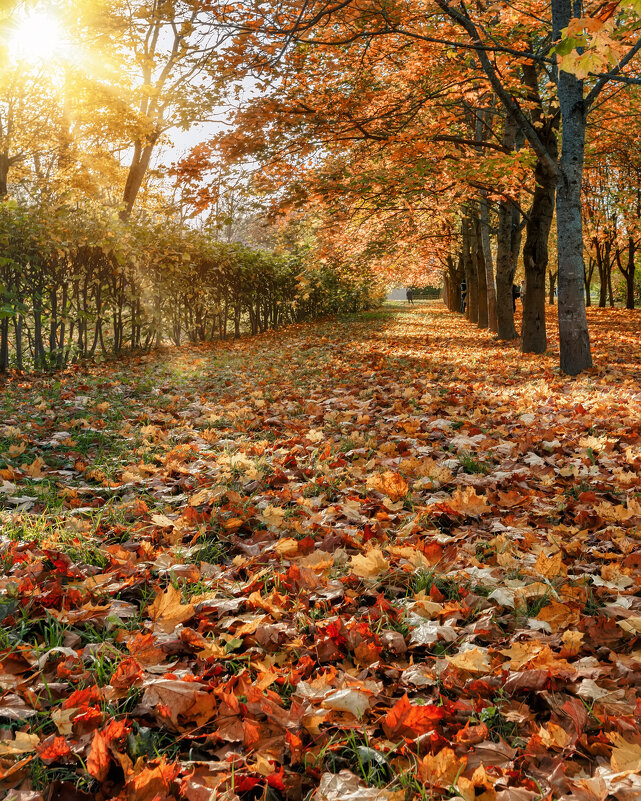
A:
(492, 322)
(478, 260)
(574, 337)
(472, 308)
(505, 261)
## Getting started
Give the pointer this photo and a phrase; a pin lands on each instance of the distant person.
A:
(516, 293)
(463, 296)
(410, 296)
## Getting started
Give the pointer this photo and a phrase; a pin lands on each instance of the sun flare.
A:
(38, 37)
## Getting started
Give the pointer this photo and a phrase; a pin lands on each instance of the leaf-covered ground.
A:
(370, 560)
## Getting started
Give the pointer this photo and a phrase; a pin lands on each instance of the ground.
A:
(371, 559)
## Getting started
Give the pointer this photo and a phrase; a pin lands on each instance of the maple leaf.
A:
(625, 755)
(99, 758)
(467, 502)
(389, 483)
(22, 743)
(153, 781)
(411, 720)
(167, 610)
(35, 469)
(273, 516)
(442, 769)
(473, 660)
(370, 564)
(53, 749)
(549, 565)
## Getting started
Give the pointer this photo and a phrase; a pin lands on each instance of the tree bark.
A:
(4, 174)
(535, 259)
(4, 345)
(505, 267)
(574, 337)
(539, 223)
(587, 280)
(552, 275)
(505, 261)
(137, 171)
(479, 261)
(18, 336)
(471, 309)
(628, 271)
(492, 322)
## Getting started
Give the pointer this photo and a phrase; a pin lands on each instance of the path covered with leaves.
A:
(370, 560)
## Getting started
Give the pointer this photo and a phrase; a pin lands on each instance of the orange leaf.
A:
(53, 749)
(412, 720)
(99, 759)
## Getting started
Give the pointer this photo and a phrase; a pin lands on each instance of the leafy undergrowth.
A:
(378, 560)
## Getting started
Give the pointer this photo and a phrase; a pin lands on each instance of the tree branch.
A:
(609, 76)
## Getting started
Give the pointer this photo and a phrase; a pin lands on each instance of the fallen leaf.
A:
(167, 609)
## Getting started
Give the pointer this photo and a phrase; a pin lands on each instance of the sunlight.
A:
(38, 38)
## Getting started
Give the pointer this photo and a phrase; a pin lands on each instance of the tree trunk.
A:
(492, 322)
(478, 258)
(4, 345)
(535, 259)
(505, 261)
(573, 325)
(4, 174)
(18, 333)
(38, 346)
(587, 280)
(471, 309)
(603, 276)
(137, 171)
(629, 291)
(505, 274)
(552, 274)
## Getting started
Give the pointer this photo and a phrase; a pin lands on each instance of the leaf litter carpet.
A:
(379, 559)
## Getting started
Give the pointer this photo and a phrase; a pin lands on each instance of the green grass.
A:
(472, 465)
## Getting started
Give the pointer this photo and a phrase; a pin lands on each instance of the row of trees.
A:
(103, 247)
(452, 136)
(76, 286)
(417, 138)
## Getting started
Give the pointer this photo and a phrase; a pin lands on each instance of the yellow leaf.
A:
(467, 502)
(162, 520)
(549, 566)
(167, 611)
(368, 565)
(554, 736)
(520, 653)
(23, 743)
(441, 769)
(631, 624)
(273, 516)
(287, 547)
(625, 755)
(559, 616)
(473, 661)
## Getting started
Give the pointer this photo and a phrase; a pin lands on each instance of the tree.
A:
(169, 73)
(594, 48)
